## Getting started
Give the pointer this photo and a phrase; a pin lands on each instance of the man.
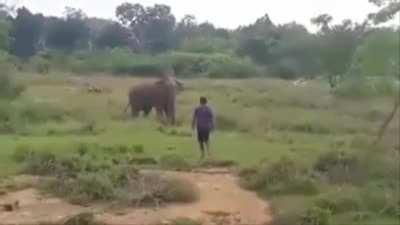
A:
(203, 121)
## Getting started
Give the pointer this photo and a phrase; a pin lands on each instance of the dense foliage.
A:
(145, 40)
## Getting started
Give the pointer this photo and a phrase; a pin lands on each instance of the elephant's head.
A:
(170, 79)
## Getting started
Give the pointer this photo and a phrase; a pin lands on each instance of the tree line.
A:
(287, 50)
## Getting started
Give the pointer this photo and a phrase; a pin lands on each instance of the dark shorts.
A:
(203, 134)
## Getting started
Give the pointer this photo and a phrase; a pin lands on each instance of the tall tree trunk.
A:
(388, 120)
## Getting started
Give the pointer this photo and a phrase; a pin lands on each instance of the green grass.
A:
(258, 120)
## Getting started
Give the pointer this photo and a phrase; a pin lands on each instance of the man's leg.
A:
(207, 142)
(200, 138)
(202, 149)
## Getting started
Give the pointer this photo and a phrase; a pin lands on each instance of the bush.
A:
(119, 61)
(92, 186)
(233, 68)
(299, 185)
(138, 149)
(82, 219)
(316, 216)
(281, 177)
(143, 161)
(358, 86)
(39, 163)
(8, 87)
(39, 112)
(83, 179)
(340, 201)
(384, 200)
(340, 167)
(41, 65)
(189, 64)
(174, 162)
(22, 153)
(179, 190)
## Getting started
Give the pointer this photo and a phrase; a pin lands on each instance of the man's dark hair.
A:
(203, 100)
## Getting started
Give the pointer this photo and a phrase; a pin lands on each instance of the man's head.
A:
(203, 101)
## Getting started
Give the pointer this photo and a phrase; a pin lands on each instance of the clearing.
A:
(221, 200)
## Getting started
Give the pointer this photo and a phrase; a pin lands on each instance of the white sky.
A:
(222, 13)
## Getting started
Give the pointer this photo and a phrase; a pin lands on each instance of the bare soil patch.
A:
(221, 201)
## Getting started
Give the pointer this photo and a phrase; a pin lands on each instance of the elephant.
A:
(160, 94)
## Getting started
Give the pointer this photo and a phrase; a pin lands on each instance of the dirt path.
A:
(221, 201)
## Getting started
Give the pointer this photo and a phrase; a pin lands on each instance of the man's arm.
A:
(194, 118)
(212, 119)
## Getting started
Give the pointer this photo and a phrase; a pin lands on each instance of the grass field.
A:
(258, 120)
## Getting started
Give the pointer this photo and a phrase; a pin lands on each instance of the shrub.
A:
(22, 153)
(340, 201)
(82, 179)
(340, 167)
(8, 87)
(381, 199)
(41, 65)
(39, 163)
(233, 68)
(138, 149)
(281, 177)
(251, 178)
(179, 190)
(143, 161)
(39, 112)
(301, 185)
(358, 87)
(82, 219)
(316, 216)
(174, 162)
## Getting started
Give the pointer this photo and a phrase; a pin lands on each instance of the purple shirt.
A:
(204, 117)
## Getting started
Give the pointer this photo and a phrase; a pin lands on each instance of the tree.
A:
(388, 10)
(153, 27)
(295, 52)
(378, 55)
(68, 33)
(338, 44)
(4, 35)
(257, 39)
(113, 35)
(256, 48)
(322, 21)
(263, 28)
(26, 30)
(187, 28)
(6, 10)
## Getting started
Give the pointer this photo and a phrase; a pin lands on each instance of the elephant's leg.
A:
(170, 112)
(146, 111)
(160, 114)
(134, 111)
